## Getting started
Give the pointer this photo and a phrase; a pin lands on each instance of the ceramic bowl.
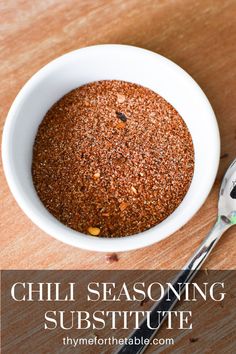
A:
(106, 62)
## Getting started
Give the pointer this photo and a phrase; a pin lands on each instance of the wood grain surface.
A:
(198, 35)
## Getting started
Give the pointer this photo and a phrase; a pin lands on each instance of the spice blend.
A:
(112, 158)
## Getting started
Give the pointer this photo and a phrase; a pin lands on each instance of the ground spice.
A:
(144, 301)
(112, 158)
(111, 258)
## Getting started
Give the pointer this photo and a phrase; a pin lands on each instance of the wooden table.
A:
(198, 35)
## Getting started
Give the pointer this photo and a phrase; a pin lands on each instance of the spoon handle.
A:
(186, 275)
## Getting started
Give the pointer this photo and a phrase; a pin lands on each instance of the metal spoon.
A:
(226, 219)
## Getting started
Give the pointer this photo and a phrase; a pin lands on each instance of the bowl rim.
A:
(87, 242)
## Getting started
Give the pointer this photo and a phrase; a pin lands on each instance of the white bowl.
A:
(106, 62)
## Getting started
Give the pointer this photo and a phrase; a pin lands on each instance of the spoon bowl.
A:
(227, 198)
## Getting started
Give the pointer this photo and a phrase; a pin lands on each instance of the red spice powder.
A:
(112, 158)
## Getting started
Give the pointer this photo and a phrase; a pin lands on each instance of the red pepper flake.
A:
(111, 258)
(120, 98)
(144, 301)
(193, 340)
(123, 206)
(134, 190)
(121, 125)
(96, 175)
(93, 335)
